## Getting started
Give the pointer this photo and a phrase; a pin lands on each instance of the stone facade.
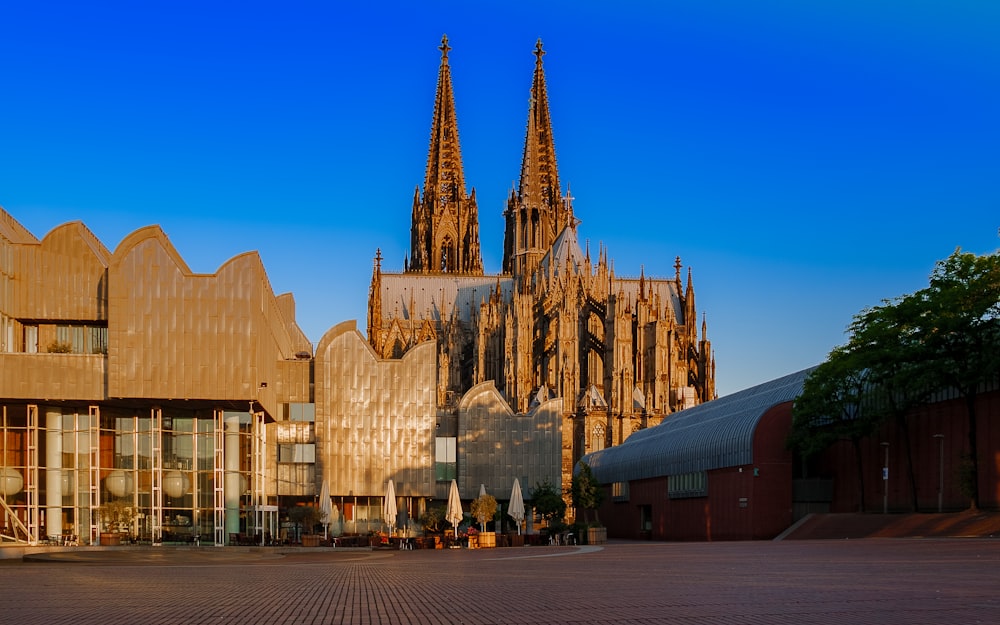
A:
(619, 353)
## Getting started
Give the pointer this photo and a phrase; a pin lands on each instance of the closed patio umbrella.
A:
(325, 507)
(389, 506)
(516, 506)
(453, 514)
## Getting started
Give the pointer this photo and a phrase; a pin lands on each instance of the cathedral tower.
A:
(536, 212)
(444, 235)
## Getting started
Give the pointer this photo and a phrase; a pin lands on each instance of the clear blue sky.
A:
(806, 159)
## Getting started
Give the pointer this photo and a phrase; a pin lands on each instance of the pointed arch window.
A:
(597, 438)
(447, 254)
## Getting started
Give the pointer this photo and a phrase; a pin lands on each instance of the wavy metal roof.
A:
(713, 435)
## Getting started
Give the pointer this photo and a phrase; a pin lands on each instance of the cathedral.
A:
(619, 352)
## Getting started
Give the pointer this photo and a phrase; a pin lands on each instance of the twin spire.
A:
(444, 233)
(537, 211)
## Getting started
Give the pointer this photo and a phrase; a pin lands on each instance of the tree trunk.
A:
(856, 442)
(970, 408)
(904, 429)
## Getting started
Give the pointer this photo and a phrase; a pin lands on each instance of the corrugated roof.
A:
(714, 435)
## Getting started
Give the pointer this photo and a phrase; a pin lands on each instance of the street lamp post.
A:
(885, 481)
(940, 438)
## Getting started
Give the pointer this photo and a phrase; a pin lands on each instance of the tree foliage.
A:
(548, 503)
(586, 491)
(945, 337)
(432, 519)
(483, 508)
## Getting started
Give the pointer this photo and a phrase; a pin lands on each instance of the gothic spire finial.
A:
(538, 50)
(444, 48)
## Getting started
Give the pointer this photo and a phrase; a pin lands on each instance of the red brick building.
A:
(721, 470)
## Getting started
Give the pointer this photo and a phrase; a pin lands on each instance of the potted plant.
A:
(117, 517)
(483, 509)
(432, 520)
(306, 517)
(550, 505)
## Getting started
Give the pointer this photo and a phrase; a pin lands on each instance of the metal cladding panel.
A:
(375, 417)
(714, 435)
(62, 277)
(53, 376)
(176, 334)
(495, 445)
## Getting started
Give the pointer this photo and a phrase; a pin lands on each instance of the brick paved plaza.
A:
(880, 581)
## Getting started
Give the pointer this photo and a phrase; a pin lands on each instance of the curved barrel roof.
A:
(713, 435)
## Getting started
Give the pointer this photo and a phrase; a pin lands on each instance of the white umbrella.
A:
(454, 512)
(389, 506)
(325, 507)
(516, 505)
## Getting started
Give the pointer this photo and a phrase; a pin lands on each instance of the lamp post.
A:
(885, 480)
(940, 438)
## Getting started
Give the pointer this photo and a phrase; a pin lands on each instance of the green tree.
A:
(960, 327)
(587, 493)
(887, 346)
(944, 338)
(832, 407)
(432, 518)
(549, 503)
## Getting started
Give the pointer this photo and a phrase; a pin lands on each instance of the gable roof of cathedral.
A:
(565, 250)
(439, 297)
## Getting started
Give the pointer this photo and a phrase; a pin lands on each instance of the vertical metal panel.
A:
(375, 417)
(495, 445)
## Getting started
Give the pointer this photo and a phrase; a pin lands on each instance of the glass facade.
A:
(108, 476)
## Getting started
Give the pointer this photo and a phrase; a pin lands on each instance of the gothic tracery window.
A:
(597, 438)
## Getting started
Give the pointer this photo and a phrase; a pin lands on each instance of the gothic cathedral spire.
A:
(536, 211)
(375, 304)
(444, 234)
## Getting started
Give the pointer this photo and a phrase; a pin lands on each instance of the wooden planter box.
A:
(597, 535)
(111, 538)
(311, 540)
(516, 540)
(487, 540)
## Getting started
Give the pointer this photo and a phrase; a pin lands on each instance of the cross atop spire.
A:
(444, 48)
(538, 50)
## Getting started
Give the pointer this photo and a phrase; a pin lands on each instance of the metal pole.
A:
(940, 438)
(885, 481)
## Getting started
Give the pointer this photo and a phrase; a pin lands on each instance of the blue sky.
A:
(806, 159)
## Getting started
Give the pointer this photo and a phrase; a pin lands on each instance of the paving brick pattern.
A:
(884, 581)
